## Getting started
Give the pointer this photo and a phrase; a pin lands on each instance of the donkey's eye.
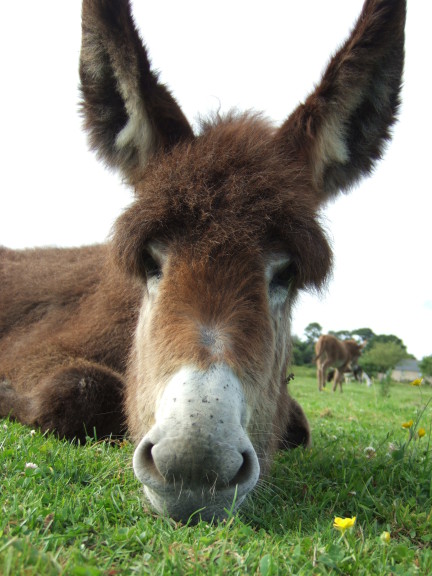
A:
(283, 276)
(151, 267)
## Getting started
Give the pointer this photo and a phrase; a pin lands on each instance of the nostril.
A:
(245, 471)
(144, 464)
(146, 453)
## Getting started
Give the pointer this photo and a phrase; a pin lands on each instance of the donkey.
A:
(342, 355)
(177, 330)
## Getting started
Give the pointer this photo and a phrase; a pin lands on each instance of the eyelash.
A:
(151, 267)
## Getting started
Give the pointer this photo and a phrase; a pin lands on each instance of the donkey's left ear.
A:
(341, 129)
(128, 114)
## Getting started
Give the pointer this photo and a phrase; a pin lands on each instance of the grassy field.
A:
(79, 511)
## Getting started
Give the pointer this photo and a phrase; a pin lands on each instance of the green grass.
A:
(80, 511)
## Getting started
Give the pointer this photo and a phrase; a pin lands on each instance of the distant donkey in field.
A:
(177, 329)
(340, 355)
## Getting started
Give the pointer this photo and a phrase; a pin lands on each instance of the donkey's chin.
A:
(191, 506)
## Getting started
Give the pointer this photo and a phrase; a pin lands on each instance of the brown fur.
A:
(342, 355)
(61, 310)
(85, 339)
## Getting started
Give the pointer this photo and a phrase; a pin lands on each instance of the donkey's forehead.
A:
(228, 153)
(228, 190)
(232, 176)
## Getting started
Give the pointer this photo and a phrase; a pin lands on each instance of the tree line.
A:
(381, 353)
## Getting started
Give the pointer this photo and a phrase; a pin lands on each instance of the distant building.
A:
(407, 370)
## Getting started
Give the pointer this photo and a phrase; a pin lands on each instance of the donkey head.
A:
(222, 234)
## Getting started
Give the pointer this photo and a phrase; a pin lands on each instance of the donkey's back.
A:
(58, 308)
(38, 285)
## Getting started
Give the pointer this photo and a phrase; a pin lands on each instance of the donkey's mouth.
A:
(191, 506)
(207, 496)
(209, 501)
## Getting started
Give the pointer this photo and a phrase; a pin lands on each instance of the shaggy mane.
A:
(229, 186)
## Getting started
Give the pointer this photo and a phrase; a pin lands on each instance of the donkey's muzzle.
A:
(198, 457)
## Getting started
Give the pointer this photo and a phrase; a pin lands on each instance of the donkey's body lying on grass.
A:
(178, 329)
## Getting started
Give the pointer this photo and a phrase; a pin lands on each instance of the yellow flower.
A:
(421, 432)
(407, 424)
(385, 537)
(343, 524)
(417, 382)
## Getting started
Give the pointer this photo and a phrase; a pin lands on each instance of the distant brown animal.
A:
(177, 329)
(341, 355)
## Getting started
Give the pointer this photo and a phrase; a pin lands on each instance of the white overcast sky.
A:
(245, 54)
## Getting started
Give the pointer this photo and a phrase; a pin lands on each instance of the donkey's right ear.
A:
(128, 114)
